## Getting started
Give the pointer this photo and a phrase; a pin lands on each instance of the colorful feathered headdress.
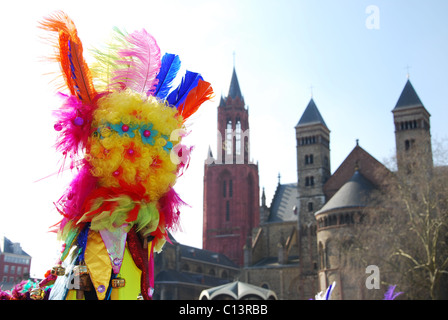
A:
(121, 126)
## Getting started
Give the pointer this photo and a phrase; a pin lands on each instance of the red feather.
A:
(197, 96)
(70, 56)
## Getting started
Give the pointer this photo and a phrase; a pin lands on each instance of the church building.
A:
(288, 246)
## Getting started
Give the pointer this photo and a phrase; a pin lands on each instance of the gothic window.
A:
(227, 210)
(238, 137)
(311, 181)
(229, 137)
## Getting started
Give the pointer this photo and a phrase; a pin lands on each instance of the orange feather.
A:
(70, 56)
(197, 96)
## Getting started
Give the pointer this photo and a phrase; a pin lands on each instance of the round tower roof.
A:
(354, 193)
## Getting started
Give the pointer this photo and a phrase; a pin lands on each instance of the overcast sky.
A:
(355, 55)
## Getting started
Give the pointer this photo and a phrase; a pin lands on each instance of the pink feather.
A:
(74, 125)
(140, 63)
(169, 204)
(71, 203)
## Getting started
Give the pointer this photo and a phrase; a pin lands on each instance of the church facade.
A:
(290, 248)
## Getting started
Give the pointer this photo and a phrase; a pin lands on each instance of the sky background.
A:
(282, 49)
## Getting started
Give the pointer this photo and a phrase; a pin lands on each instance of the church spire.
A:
(408, 98)
(234, 89)
(311, 115)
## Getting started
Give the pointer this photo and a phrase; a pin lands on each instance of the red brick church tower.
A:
(231, 190)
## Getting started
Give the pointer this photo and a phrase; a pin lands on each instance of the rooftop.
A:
(354, 193)
(311, 115)
(7, 246)
(408, 98)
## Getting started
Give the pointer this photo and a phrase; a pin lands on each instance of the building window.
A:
(308, 140)
(309, 159)
(310, 206)
(238, 137)
(227, 210)
(6, 268)
(309, 181)
(408, 144)
(229, 137)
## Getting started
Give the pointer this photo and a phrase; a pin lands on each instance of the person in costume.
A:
(121, 126)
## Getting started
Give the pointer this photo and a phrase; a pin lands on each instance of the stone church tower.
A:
(412, 129)
(313, 169)
(231, 190)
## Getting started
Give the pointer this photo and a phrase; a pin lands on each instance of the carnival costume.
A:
(120, 127)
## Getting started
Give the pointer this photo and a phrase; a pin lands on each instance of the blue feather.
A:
(168, 71)
(179, 95)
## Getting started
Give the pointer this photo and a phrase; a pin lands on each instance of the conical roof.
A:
(408, 98)
(234, 89)
(354, 193)
(311, 115)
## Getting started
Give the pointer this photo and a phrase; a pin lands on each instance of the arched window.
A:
(229, 137)
(238, 137)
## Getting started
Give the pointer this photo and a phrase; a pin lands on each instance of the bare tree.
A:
(405, 229)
